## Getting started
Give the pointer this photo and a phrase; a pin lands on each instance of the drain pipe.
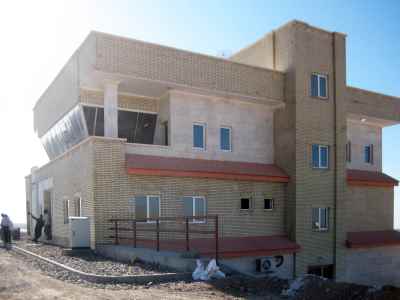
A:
(336, 152)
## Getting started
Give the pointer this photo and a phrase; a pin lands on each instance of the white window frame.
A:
(194, 221)
(148, 207)
(230, 139)
(319, 228)
(204, 126)
(319, 76)
(67, 212)
(320, 166)
(273, 204)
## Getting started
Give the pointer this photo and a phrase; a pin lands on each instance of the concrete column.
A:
(111, 109)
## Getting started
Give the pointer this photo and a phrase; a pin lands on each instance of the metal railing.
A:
(153, 225)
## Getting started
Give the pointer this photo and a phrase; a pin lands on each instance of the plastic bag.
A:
(211, 272)
(198, 271)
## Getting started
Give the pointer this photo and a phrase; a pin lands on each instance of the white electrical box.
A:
(79, 234)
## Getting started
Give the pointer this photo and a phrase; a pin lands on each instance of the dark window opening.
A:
(245, 203)
(325, 271)
(166, 142)
(94, 117)
(269, 204)
(136, 127)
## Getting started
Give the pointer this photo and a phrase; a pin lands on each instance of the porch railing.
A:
(153, 226)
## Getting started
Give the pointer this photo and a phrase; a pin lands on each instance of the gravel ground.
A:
(90, 262)
(30, 278)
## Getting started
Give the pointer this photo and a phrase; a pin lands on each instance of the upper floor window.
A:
(147, 207)
(319, 85)
(199, 136)
(320, 156)
(225, 138)
(195, 206)
(268, 204)
(320, 217)
(369, 154)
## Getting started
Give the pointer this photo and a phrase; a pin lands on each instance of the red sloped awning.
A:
(187, 167)
(370, 239)
(370, 178)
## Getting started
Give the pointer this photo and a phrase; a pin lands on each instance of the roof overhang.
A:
(370, 178)
(371, 239)
(203, 168)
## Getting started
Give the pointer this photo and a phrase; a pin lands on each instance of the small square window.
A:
(269, 204)
(319, 86)
(245, 203)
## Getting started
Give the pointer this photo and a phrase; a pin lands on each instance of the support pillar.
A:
(111, 109)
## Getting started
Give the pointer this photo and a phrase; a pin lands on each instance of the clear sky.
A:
(38, 37)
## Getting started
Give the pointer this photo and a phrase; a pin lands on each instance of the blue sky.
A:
(38, 37)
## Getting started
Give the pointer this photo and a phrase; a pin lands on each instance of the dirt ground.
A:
(20, 280)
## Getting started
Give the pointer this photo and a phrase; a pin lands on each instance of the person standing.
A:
(47, 225)
(6, 227)
(38, 227)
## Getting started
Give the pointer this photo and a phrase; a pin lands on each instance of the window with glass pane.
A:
(314, 85)
(154, 207)
(195, 206)
(320, 156)
(225, 138)
(198, 136)
(368, 154)
(141, 207)
(322, 86)
(268, 204)
(147, 207)
(319, 85)
(320, 217)
(324, 157)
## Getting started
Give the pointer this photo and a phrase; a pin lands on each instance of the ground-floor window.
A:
(78, 206)
(195, 206)
(322, 270)
(147, 207)
(66, 211)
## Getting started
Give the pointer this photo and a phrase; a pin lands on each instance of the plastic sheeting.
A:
(66, 133)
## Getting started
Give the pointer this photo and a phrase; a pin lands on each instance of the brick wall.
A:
(72, 175)
(114, 188)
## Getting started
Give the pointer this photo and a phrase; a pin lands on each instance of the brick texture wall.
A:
(114, 188)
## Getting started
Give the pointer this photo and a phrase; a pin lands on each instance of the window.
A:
(136, 127)
(225, 138)
(66, 211)
(268, 204)
(94, 117)
(369, 154)
(320, 217)
(245, 203)
(320, 156)
(147, 207)
(348, 152)
(319, 86)
(322, 271)
(199, 139)
(195, 206)
(78, 207)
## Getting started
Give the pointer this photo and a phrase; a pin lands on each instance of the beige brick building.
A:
(271, 140)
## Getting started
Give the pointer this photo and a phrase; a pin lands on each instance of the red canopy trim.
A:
(202, 168)
(370, 178)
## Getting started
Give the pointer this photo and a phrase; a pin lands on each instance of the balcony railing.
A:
(128, 229)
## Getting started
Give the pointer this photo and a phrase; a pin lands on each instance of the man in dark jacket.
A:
(38, 227)
(6, 227)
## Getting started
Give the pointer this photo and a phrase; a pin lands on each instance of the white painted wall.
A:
(360, 135)
(252, 129)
